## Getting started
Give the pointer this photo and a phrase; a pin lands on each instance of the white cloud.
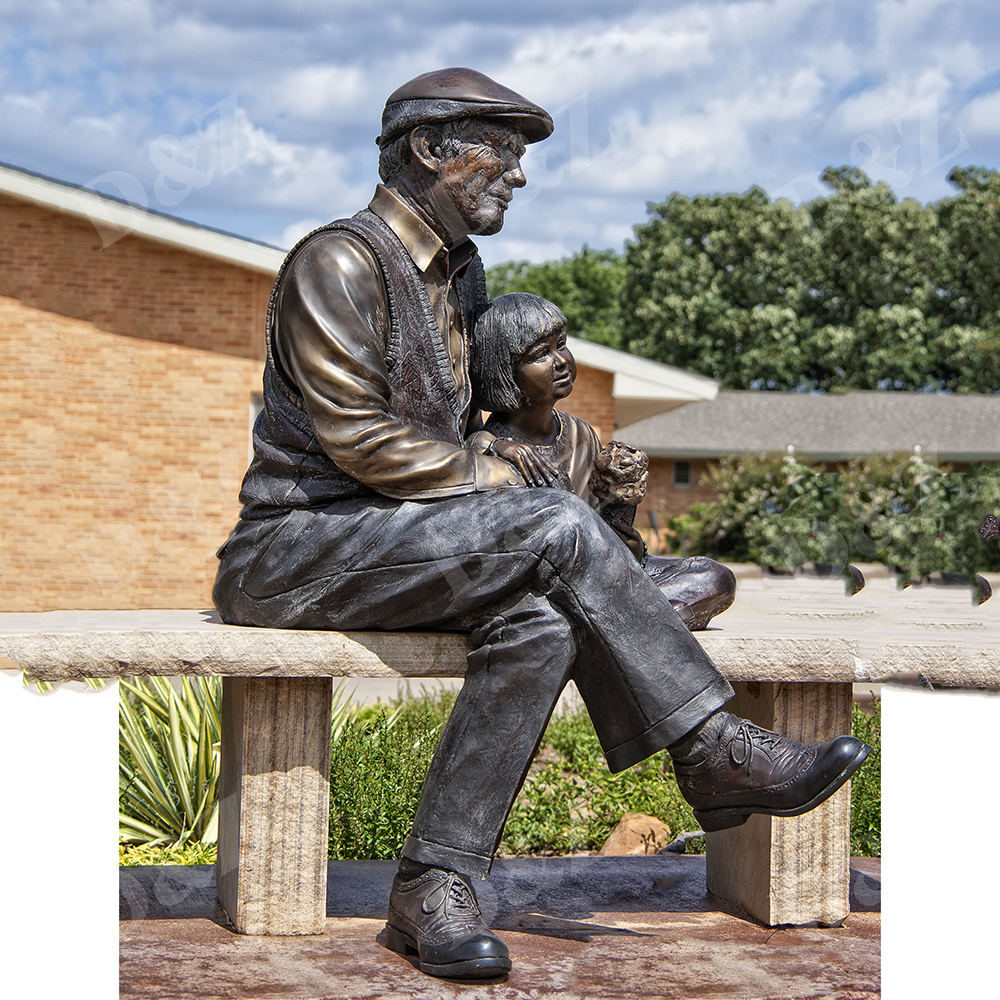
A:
(323, 92)
(965, 61)
(981, 116)
(651, 97)
(899, 20)
(303, 177)
(557, 65)
(673, 147)
(876, 107)
(631, 51)
(292, 233)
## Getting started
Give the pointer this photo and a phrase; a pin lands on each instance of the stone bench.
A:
(794, 677)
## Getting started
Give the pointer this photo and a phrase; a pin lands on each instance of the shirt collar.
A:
(418, 239)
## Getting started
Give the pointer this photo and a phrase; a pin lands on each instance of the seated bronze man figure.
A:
(364, 509)
(521, 367)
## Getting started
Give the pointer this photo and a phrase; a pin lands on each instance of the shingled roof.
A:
(825, 427)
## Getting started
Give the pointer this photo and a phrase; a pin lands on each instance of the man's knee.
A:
(528, 622)
(564, 529)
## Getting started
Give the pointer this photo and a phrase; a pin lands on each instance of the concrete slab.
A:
(579, 927)
(780, 628)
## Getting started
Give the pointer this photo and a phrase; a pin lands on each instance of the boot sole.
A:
(478, 968)
(713, 820)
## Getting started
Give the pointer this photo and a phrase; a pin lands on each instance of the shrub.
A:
(377, 766)
(429, 709)
(866, 785)
(767, 510)
(574, 803)
(192, 853)
(901, 511)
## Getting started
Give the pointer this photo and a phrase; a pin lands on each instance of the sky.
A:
(259, 118)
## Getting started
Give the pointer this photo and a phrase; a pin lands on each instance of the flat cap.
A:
(447, 94)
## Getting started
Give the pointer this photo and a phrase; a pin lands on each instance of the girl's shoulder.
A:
(580, 430)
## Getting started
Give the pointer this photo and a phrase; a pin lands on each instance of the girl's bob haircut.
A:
(505, 329)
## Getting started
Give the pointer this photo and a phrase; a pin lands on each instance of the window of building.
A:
(682, 475)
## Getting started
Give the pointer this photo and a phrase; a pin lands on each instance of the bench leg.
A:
(793, 870)
(274, 801)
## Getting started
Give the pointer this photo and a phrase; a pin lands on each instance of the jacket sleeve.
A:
(331, 340)
(480, 442)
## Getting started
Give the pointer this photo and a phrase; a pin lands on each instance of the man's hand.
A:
(535, 467)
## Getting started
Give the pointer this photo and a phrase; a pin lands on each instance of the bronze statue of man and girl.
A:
(378, 499)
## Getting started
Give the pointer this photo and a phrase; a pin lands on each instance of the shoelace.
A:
(752, 735)
(453, 897)
(460, 900)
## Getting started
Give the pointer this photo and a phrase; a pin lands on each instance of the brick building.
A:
(952, 429)
(131, 371)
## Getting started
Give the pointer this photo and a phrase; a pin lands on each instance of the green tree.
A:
(853, 290)
(712, 284)
(873, 275)
(970, 228)
(585, 286)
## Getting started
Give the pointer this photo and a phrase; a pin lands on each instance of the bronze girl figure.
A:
(521, 367)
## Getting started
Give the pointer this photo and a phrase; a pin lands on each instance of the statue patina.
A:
(521, 367)
(364, 509)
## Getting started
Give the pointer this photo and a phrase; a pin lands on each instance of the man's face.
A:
(476, 184)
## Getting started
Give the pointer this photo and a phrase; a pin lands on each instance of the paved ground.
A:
(576, 927)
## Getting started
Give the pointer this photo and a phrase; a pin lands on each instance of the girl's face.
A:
(547, 369)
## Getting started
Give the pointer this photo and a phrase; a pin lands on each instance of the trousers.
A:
(547, 592)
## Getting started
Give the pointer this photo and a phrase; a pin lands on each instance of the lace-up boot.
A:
(436, 917)
(753, 770)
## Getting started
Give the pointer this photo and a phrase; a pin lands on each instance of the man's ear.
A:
(425, 145)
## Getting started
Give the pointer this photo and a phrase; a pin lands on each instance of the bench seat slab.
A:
(274, 802)
(793, 870)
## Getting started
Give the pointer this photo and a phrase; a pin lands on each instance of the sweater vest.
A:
(289, 469)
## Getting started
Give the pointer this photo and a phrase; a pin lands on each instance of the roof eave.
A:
(641, 378)
(123, 218)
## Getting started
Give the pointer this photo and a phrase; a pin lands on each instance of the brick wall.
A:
(666, 499)
(120, 467)
(135, 287)
(592, 399)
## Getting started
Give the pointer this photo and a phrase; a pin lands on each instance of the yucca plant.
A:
(169, 760)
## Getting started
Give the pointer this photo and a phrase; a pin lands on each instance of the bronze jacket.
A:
(366, 387)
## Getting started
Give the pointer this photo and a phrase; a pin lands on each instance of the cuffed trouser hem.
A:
(672, 728)
(449, 858)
